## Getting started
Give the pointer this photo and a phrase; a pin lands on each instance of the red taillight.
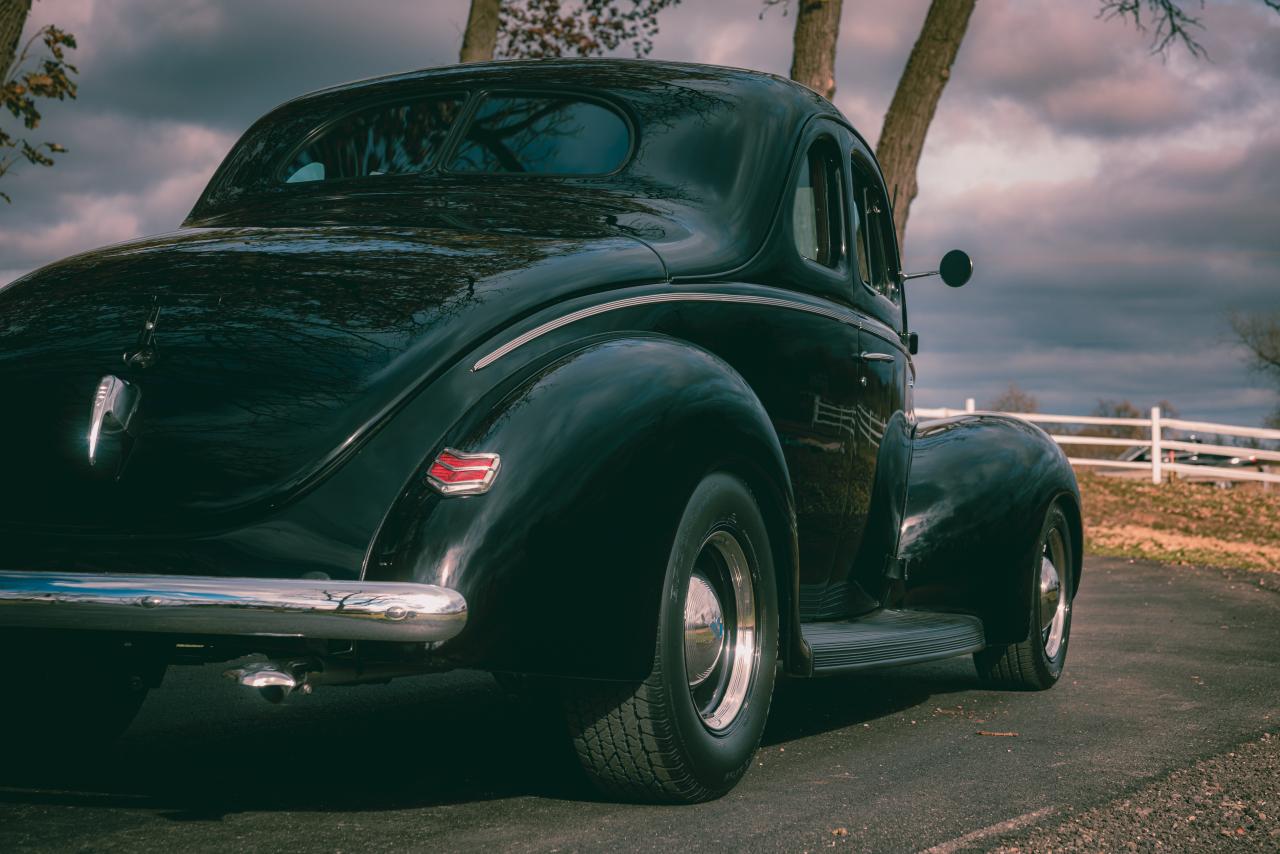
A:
(456, 473)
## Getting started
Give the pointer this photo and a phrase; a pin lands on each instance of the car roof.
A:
(703, 181)
(568, 69)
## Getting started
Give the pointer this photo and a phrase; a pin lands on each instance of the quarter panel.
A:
(797, 353)
(562, 561)
(275, 354)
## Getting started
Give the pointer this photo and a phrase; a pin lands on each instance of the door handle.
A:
(875, 357)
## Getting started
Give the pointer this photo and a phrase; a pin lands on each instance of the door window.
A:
(817, 213)
(874, 236)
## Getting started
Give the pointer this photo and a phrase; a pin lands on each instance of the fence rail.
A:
(1162, 457)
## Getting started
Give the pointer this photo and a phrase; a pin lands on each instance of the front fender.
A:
(978, 491)
(562, 562)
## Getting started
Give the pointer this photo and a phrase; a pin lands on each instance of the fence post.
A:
(1157, 461)
(970, 405)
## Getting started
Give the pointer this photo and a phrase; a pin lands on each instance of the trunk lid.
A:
(273, 353)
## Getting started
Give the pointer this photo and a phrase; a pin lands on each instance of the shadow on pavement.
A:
(422, 742)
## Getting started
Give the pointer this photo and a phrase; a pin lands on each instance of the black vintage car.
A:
(591, 374)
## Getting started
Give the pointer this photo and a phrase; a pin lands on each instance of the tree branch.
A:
(1260, 335)
(538, 29)
(1172, 24)
(51, 78)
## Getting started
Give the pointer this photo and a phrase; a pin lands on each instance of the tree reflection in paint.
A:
(275, 347)
(392, 139)
(546, 135)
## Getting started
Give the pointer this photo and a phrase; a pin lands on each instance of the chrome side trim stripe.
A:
(550, 326)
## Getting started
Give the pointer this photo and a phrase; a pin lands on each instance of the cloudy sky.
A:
(1118, 206)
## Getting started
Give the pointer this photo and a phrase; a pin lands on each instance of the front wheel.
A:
(688, 732)
(1036, 663)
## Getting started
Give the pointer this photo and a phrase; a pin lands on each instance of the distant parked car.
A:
(1141, 454)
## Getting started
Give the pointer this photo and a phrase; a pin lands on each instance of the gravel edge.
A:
(1229, 802)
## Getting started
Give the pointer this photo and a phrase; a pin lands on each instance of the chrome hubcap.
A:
(1054, 602)
(720, 644)
(703, 630)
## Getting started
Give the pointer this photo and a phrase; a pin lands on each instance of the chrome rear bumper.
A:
(208, 605)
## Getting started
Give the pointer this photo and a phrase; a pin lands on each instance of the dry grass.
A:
(1180, 522)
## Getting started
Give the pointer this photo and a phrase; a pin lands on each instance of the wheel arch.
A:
(562, 561)
(778, 508)
(1073, 510)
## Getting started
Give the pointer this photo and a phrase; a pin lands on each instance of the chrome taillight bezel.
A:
(452, 460)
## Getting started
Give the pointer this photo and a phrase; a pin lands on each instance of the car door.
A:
(821, 445)
(885, 377)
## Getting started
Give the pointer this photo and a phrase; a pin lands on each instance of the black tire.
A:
(75, 696)
(1036, 663)
(650, 742)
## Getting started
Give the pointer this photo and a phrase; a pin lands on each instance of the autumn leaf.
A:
(51, 78)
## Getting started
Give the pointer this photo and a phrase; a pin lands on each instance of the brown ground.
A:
(1181, 522)
(1226, 803)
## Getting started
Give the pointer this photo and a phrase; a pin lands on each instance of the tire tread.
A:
(631, 738)
(1021, 666)
(627, 749)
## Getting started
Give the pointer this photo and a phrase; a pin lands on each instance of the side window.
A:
(817, 212)
(860, 244)
(391, 139)
(874, 235)
(543, 135)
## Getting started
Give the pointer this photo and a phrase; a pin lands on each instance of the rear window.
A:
(545, 135)
(392, 139)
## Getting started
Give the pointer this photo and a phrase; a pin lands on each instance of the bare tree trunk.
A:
(915, 101)
(481, 36)
(13, 16)
(813, 56)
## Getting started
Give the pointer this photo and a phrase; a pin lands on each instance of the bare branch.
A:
(1173, 25)
(1260, 335)
(769, 4)
(1013, 399)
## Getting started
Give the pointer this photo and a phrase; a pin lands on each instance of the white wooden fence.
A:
(1156, 440)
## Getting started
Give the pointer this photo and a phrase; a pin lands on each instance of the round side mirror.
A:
(956, 268)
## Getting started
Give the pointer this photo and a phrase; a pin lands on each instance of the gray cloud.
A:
(1093, 76)
(1113, 288)
(220, 63)
(1117, 205)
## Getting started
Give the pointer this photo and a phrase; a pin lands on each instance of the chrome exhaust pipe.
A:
(277, 679)
(274, 680)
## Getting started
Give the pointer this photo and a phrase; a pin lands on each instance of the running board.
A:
(887, 638)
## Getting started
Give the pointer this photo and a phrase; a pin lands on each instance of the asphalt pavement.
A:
(1170, 670)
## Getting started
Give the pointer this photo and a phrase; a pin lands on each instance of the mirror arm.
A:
(908, 276)
(956, 269)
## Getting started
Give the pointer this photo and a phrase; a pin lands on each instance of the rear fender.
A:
(978, 491)
(562, 562)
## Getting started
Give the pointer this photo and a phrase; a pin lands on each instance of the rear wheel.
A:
(1036, 663)
(689, 731)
